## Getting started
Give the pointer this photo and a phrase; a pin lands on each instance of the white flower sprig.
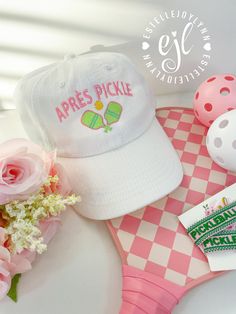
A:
(23, 218)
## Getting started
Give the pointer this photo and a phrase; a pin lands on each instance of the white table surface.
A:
(81, 271)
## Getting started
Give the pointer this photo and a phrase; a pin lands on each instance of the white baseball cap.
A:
(97, 110)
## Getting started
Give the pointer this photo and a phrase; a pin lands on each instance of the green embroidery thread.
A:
(226, 240)
(92, 120)
(212, 224)
(113, 112)
(95, 121)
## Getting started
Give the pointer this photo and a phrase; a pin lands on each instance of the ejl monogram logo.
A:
(178, 51)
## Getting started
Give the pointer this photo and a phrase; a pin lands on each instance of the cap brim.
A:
(126, 179)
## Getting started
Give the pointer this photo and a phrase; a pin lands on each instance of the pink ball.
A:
(215, 96)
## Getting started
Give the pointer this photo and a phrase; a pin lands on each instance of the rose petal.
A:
(30, 162)
(4, 288)
(63, 186)
(21, 146)
(49, 228)
(13, 147)
(29, 255)
(34, 175)
(2, 235)
(19, 264)
(4, 271)
(5, 254)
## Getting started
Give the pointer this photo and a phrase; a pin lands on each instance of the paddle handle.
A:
(145, 293)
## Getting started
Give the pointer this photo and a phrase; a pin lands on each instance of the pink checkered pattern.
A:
(153, 238)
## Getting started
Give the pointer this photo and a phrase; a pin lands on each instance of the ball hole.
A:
(62, 84)
(211, 79)
(197, 95)
(229, 78)
(208, 107)
(217, 142)
(223, 124)
(224, 91)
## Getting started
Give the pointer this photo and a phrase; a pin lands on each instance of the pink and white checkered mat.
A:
(160, 262)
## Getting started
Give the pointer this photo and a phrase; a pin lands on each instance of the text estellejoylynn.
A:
(83, 98)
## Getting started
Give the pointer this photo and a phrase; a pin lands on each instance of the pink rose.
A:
(11, 265)
(24, 166)
(5, 276)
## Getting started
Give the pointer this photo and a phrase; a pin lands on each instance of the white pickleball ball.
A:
(221, 140)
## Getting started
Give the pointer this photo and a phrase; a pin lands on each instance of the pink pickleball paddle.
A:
(160, 262)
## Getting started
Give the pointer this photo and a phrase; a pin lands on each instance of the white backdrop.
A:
(33, 34)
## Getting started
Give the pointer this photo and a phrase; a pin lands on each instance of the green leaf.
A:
(12, 293)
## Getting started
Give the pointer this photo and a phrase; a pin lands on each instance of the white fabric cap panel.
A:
(125, 179)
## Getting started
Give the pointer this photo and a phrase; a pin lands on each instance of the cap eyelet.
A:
(69, 56)
(108, 67)
(62, 84)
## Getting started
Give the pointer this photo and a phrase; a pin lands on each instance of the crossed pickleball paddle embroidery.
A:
(95, 121)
